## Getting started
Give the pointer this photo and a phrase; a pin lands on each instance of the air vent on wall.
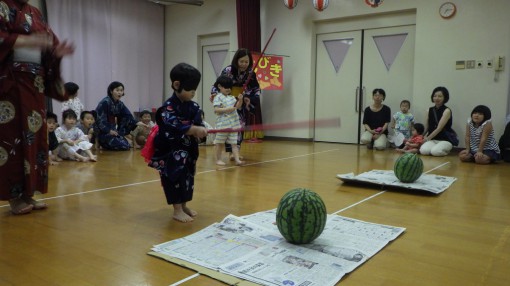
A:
(170, 2)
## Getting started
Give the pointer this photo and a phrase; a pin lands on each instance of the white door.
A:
(349, 66)
(337, 84)
(214, 58)
(388, 64)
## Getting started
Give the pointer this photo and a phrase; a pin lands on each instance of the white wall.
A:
(479, 31)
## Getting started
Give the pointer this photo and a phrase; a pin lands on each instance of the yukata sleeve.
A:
(53, 83)
(60, 134)
(127, 122)
(7, 39)
(102, 117)
(170, 124)
(253, 88)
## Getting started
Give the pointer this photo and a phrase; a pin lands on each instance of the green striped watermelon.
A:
(408, 167)
(301, 216)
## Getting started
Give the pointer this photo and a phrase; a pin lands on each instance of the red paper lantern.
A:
(290, 3)
(374, 3)
(320, 4)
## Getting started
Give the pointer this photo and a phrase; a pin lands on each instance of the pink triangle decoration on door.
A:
(337, 50)
(389, 46)
(217, 58)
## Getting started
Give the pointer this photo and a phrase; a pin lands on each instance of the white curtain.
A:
(116, 40)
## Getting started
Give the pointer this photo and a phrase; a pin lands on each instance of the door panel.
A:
(335, 92)
(209, 76)
(397, 80)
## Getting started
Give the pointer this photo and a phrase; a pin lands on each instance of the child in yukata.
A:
(402, 123)
(175, 146)
(142, 131)
(226, 106)
(73, 140)
(52, 122)
(74, 102)
(413, 144)
(86, 124)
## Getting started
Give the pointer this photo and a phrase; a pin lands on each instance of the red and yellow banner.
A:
(269, 72)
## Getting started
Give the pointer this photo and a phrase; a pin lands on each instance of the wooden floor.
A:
(105, 216)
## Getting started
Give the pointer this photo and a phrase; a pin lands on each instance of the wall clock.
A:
(447, 10)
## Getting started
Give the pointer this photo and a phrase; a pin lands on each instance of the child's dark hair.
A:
(380, 91)
(51, 115)
(113, 86)
(240, 54)
(483, 110)
(444, 91)
(69, 113)
(85, 112)
(187, 76)
(419, 128)
(71, 88)
(405, 101)
(224, 81)
(94, 114)
(143, 112)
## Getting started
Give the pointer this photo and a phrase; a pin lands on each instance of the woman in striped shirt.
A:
(481, 145)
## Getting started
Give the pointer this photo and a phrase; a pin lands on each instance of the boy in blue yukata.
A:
(175, 145)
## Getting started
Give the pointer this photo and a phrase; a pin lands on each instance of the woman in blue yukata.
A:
(114, 120)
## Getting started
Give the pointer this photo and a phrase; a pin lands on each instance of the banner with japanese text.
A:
(269, 71)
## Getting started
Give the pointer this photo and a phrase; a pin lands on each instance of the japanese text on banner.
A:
(269, 72)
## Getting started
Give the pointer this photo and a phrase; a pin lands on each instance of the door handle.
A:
(356, 105)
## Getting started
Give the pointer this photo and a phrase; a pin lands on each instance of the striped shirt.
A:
(476, 135)
(227, 119)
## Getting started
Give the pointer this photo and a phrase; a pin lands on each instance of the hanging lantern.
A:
(374, 3)
(320, 4)
(290, 3)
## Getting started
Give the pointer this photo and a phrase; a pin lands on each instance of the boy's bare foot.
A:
(190, 212)
(93, 158)
(239, 163)
(54, 163)
(182, 216)
(220, 163)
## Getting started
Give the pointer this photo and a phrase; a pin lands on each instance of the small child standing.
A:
(226, 106)
(86, 124)
(52, 122)
(481, 144)
(74, 102)
(72, 139)
(412, 145)
(175, 145)
(402, 123)
(142, 131)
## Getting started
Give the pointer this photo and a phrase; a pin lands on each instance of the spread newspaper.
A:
(386, 178)
(251, 248)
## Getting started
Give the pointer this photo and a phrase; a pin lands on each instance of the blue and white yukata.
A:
(175, 153)
(114, 115)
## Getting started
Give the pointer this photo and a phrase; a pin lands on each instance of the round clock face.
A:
(447, 10)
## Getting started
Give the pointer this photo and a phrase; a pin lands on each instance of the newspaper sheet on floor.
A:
(427, 182)
(252, 248)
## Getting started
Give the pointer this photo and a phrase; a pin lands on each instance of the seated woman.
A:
(438, 125)
(114, 120)
(481, 145)
(376, 119)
